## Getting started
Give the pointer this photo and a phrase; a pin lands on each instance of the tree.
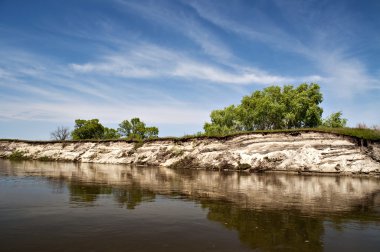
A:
(125, 128)
(223, 121)
(335, 121)
(137, 130)
(272, 108)
(262, 110)
(60, 134)
(110, 133)
(151, 132)
(87, 129)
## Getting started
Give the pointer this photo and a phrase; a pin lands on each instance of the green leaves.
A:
(272, 108)
(92, 129)
(87, 129)
(335, 121)
(137, 130)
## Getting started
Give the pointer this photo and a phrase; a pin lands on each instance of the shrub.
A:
(18, 155)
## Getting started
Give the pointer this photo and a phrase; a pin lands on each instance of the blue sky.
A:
(172, 62)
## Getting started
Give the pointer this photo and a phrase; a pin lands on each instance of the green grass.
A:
(367, 134)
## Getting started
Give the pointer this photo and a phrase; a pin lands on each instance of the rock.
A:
(301, 152)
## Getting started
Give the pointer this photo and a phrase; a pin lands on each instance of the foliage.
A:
(151, 132)
(110, 133)
(93, 129)
(137, 130)
(60, 134)
(272, 108)
(87, 129)
(335, 120)
(17, 155)
(125, 128)
(223, 121)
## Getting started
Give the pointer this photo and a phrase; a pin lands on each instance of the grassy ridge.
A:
(366, 134)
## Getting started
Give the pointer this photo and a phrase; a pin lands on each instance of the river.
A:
(53, 206)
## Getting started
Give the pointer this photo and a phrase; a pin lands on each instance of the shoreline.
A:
(303, 152)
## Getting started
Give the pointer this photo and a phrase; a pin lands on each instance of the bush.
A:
(18, 155)
(335, 120)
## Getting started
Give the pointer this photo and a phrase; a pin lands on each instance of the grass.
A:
(359, 133)
(367, 134)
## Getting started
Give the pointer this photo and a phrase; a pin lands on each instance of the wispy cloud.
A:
(183, 23)
(174, 61)
(150, 61)
(339, 71)
(58, 93)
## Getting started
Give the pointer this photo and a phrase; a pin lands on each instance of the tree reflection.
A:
(129, 196)
(132, 196)
(86, 193)
(269, 230)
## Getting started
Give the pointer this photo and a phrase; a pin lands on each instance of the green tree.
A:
(110, 133)
(335, 120)
(223, 121)
(87, 129)
(137, 130)
(263, 109)
(151, 132)
(272, 108)
(125, 128)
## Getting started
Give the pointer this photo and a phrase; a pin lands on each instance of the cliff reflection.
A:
(269, 211)
(307, 194)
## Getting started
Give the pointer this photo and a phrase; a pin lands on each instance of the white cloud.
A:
(107, 113)
(184, 24)
(150, 61)
(338, 70)
(213, 74)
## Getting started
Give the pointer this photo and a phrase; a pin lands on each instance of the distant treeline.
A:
(93, 129)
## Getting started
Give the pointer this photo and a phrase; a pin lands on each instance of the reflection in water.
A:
(270, 229)
(269, 211)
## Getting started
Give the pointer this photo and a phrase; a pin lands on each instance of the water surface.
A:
(49, 206)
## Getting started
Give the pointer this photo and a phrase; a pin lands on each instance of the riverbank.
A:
(303, 151)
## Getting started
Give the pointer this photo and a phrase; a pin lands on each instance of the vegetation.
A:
(87, 129)
(272, 108)
(334, 121)
(367, 134)
(137, 130)
(279, 109)
(110, 133)
(60, 134)
(17, 155)
(93, 129)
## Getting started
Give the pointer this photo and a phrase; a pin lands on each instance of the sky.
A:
(171, 63)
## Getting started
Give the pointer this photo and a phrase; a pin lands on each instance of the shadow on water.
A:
(268, 211)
